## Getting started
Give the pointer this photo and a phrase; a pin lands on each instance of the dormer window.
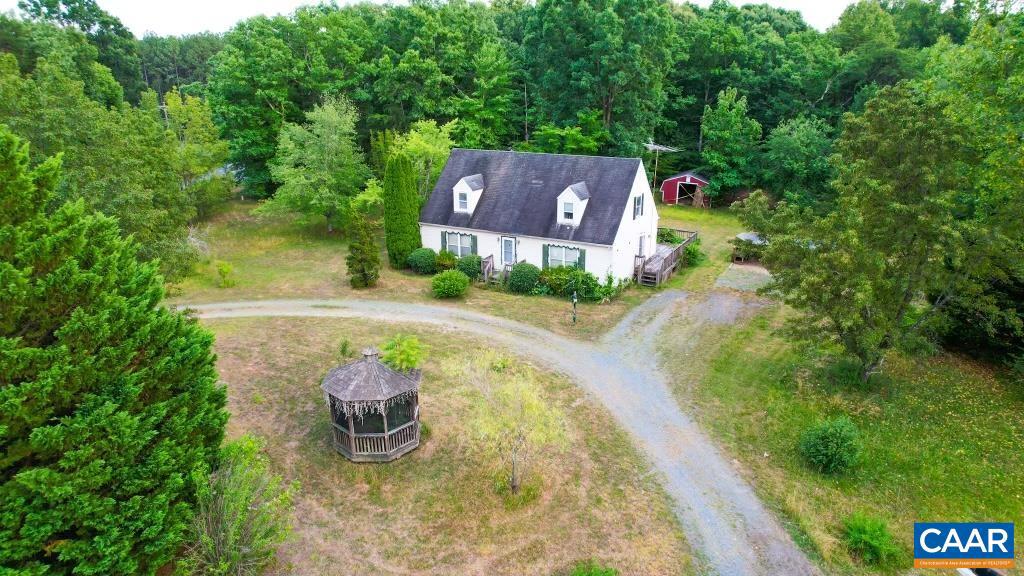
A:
(572, 203)
(466, 193)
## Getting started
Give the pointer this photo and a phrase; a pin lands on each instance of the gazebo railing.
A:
(376, 443)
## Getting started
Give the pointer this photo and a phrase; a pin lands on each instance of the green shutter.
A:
(544, 256)
(472, 244)
(581, 263)
(444, 241)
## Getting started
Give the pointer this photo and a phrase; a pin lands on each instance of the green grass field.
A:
(285, 256)
(943, 436)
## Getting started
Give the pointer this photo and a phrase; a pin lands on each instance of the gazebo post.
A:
(416, 414)
(351, 434)
(387, 440)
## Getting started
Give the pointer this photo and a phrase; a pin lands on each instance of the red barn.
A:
(684, 188)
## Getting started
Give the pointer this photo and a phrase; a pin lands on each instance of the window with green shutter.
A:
(556, 256)
(458, 243)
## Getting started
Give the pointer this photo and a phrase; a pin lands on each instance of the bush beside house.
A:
(523, 278)
(449, 284)
(423, 261)
(470, 266)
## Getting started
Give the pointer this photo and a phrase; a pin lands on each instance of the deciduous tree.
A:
(900, 243)
(731, 140)
(512, 417)
(318, 164)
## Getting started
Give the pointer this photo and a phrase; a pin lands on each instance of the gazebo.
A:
(374, 409)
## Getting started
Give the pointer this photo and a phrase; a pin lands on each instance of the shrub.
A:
(523, 278)
(564, 280)
(449, 284)
(694, 255)
(446, 260)
(591, 568)
(557, 279)
(869, 540)
(225, 274)
(242, 514)
(669, 236)
(363, 260)
(832, 446)
(422, 261)
(403, 353)
(470, 266)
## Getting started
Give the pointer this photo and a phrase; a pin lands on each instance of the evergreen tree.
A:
(110, 409)
(363, 260)
(401, 210)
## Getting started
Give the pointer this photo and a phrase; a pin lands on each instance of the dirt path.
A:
(726, 524)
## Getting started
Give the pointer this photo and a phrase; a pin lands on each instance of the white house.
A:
(593, 212)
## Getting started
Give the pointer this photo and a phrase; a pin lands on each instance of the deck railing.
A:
(487, 268)
(376, 443)
(655, 269)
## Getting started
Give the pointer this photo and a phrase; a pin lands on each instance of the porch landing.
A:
(655, 269)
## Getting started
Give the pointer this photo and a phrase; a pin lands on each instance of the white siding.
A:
(598, 259)
(627, 240)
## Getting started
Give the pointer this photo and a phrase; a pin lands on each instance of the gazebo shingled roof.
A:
(368, 384)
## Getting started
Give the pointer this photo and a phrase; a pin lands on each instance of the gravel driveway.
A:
(728, 527)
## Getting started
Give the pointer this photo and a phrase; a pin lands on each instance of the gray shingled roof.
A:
(475, 182)
(368, 380)
(522, 189)
(580, 190)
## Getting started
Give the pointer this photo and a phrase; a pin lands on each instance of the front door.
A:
(508, 250)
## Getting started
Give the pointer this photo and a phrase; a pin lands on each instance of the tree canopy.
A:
(318, 165)
(111, 410)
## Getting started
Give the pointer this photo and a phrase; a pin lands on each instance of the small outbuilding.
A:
(684, 188)
(374, 409)
(747, 246)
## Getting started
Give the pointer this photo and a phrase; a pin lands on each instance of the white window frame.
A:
(638, 206)
(562, 258)
(568, 211)
(463, 200)
(463, 245)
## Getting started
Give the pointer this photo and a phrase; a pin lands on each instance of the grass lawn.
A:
(436, 510)
(716, 228)
(942, 435)
(292, 257)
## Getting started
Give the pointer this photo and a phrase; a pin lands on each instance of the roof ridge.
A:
(527, 152)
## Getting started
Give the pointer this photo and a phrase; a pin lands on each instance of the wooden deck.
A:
(658, 267)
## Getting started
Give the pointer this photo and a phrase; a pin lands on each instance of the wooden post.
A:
(351, 435)
(387, 439)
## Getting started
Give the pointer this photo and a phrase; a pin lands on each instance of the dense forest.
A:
(153, 129)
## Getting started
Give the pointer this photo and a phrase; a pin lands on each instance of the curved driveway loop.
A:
(726, 524)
